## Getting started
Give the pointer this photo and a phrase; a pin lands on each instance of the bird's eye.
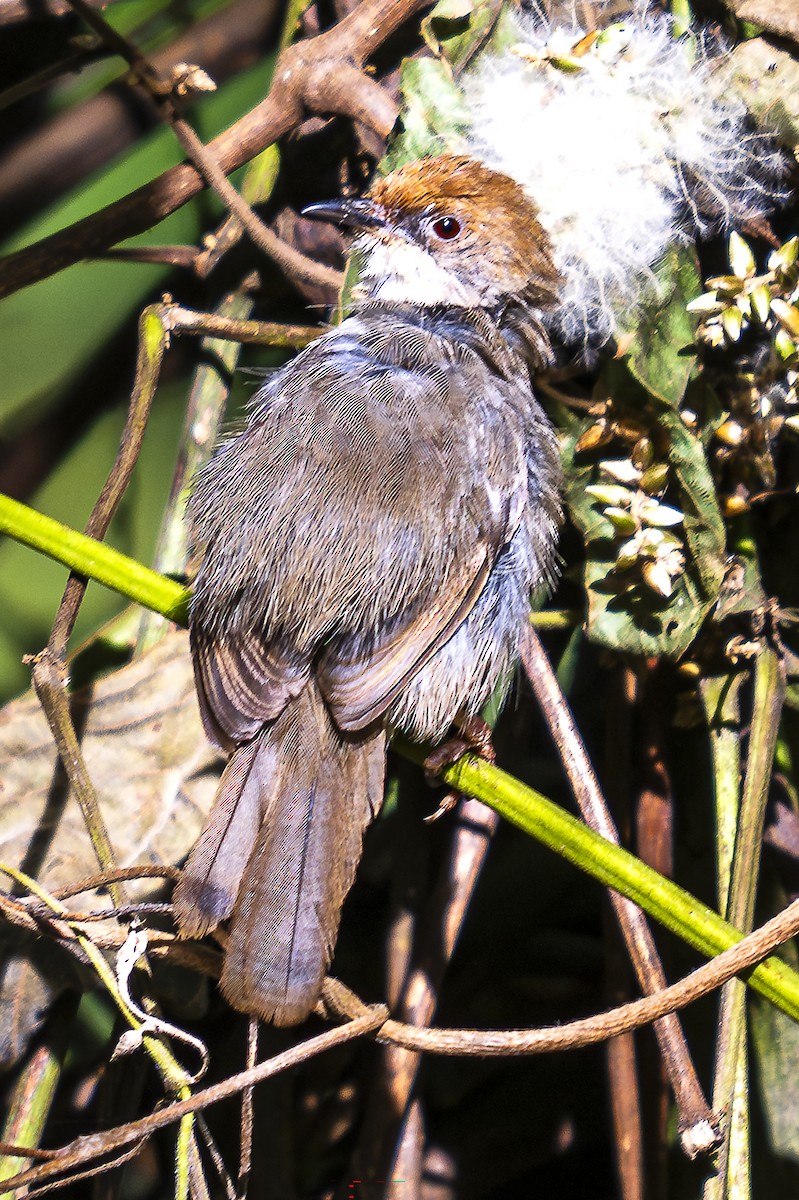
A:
(446, 228)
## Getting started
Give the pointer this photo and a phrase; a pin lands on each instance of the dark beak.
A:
(352, 212)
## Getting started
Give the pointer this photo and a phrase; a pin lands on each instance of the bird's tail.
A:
(278, 855)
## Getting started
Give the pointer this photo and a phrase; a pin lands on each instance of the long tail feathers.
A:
(210, 880)
(313, 794)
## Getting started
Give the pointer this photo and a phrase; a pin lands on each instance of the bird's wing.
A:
(242, 681)
(351, 527)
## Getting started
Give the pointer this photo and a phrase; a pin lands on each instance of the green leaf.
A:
(434, 117)
(456, 29)
(659, 352)
(648, 386)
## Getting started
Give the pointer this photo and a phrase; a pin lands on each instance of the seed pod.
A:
(655, 478)
(621, 470)
(663, 516)
(596, 435)
(732, 322)
(658, 579)
(761, 302)
(610, 493)
(787, 315)
(622, 521)
(642, 453)
(742, 260)
(730, 433)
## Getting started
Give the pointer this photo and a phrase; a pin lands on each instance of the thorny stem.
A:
(665, 901)
(697, 1125)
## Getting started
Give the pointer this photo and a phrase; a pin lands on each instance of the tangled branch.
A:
(324, 75)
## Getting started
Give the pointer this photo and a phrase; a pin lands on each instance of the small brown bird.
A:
(371, 541)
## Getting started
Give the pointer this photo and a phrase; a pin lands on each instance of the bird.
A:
(368, 545)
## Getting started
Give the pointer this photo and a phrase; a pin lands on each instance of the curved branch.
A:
(83, 138)
(318, 76)
(741, 957)
(587, 1031)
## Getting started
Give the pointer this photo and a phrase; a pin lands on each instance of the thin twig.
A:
(247, 1112)
(622, 1066)
(669, 904)
(698, 1126)
(15, 11)
(73, 142)
(205, 408)
(85, 1149)
(740, 958)
(480, 1043)
(439, 929)
(321, 75)
(731, 1065)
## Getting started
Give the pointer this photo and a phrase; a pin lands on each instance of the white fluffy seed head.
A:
(642, 146)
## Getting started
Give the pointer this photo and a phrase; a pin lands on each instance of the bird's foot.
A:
(473, 736)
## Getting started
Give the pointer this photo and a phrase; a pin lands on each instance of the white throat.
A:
(401, 272)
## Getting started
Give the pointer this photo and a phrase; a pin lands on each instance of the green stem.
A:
(532, 812)
(615, 867)
(34, 1091)
(95, 560)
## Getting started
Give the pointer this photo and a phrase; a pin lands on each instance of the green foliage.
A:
(648, 386)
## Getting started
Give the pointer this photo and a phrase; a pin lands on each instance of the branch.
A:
(93, 1146)
(698, 1127)
(316, 76)
(497, 1043)
(440, 1041)
(14, 11)
(615, 867)
(43, 164)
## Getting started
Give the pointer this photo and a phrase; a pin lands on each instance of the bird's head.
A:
(447, 231)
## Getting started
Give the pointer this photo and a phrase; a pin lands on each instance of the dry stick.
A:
(247, 1112)
(14, 11)
(460, 1042)
(588, 1031)
(654, 841)
(205, 408)
(440, 928)
(622, 1066)
(66, 147)
(49, 673)
(49, 670)
(731, 1067)
(321, 75)
(295, 264)
(92, 1146)
(698, 1127)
